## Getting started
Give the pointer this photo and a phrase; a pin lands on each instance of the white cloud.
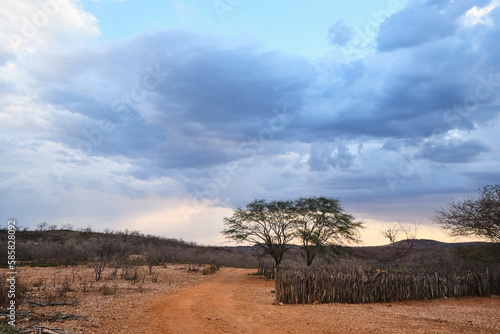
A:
(32, 25)
(373, 131)
(187, 219)
(477, 15)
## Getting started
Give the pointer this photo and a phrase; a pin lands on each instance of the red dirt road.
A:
(232, 301)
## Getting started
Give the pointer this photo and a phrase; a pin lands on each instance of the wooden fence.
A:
(267, 268)
(495, 283)
(357, 285)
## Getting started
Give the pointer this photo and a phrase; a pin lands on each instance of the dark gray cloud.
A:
(209, 97)
(231, 92)
(458, 151)
(184, 101)
(483, 177)
(171, 113)
(423, 22)
(323, 157)
(448, 82)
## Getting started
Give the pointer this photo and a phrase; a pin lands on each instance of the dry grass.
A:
(98, 301)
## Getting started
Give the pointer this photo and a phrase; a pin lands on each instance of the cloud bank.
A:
(192, 121)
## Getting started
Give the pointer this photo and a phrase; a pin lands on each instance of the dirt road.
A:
(233, 301)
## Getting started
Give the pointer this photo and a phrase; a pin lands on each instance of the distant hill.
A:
(429, 243)
(425, 253)
(66, 247)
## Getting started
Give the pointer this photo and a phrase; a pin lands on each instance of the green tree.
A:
(268, 225)
(478, 216)
(317, 223)
(321, 223)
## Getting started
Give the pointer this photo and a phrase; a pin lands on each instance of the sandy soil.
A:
(111, 305)
(234, 301)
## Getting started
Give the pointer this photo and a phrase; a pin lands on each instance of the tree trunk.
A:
(276, 272)
(310, 255)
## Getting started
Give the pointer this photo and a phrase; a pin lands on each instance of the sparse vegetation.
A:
(136, 264)
(479, 216)
(7, 329)
(267, 225)
(316, 223)
(104, 265)
(210, 270)
(78, 283)
(321, 223)
(52, 248)
(401, 247)
(107, 290)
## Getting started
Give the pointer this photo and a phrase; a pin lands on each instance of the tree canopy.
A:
(314, 222)
(478, 216)
(265, 224)
(321, 222)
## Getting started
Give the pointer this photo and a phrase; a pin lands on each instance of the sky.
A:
(165, 116)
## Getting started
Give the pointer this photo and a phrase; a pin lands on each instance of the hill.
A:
(67, 247)
(431, 254)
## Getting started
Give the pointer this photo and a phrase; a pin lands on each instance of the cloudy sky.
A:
(163, 116)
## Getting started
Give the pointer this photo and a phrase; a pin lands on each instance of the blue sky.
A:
(164, 116)
(297, 27)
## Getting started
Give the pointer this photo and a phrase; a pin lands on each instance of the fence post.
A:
(487, 291)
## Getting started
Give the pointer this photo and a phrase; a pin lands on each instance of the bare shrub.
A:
(153, 257)
(74, 273)
(64, 288)
(401, 247)
(4, 288)
(210, 270)
(98, 266)
(52, 296)
(85, 285)
(38, 283)
(107, 290)
(130, 273)
(22, 290)
(194, 268)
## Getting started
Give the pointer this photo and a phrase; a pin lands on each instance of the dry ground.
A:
(234, 301)
(112, 305)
